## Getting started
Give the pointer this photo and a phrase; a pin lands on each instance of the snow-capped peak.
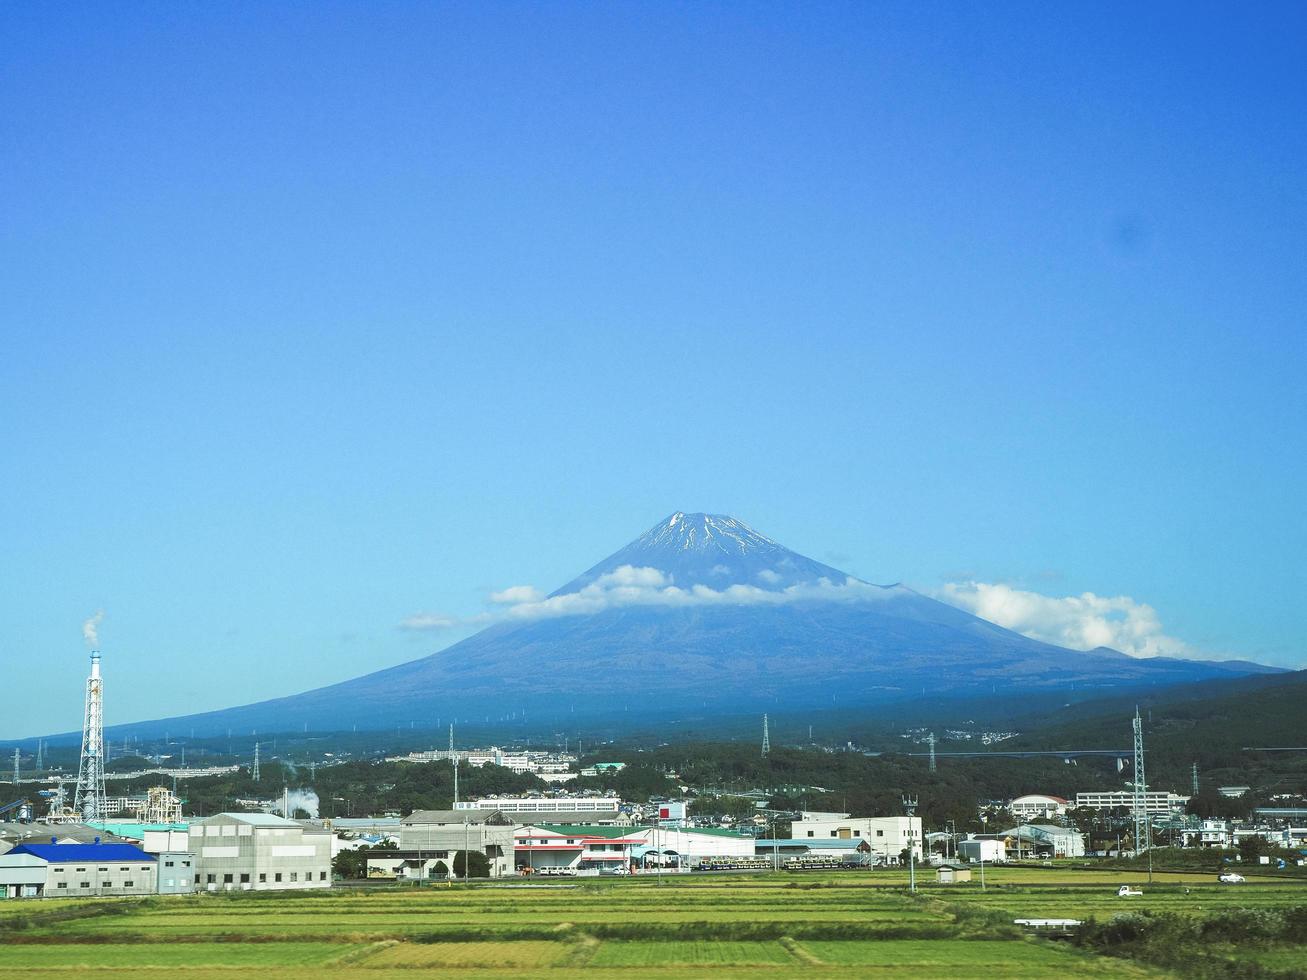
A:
(704, 532)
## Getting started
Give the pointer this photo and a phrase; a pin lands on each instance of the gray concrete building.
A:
(176, 872)
(259, 852)
(427, 837)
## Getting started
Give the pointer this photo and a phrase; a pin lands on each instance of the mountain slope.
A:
(702, 612)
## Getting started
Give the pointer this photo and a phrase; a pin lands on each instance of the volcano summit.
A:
(701, 612)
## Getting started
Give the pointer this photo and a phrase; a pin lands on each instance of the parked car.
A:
(1231, 878)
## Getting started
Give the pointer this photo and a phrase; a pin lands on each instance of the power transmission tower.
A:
(766, 738)
(930, 740)
(1195, 782)
(15, 768)
(89, 798)
(1143, 832)
(40, 753)
(255, 771)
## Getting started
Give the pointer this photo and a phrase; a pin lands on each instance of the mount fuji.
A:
(703, 613)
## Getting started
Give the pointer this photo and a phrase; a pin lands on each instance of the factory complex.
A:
(86, 845)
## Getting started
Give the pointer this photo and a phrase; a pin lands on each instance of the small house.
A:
(951, 874)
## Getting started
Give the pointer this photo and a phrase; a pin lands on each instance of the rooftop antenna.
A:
(766, 738)
(930, 740)
(254, 773)
(89, 798)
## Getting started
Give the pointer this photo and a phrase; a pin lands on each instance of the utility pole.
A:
(910, 804)
(766, 738)
(454, 759)
(1150, 851)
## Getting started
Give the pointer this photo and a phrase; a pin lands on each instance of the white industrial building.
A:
(888, 837)
(1043, 840)
(1035, 806)
(68, 870)
(259, 852)
(544, 804)
(543, 847)
(986, 849)
(552, 767)
(1124, 799)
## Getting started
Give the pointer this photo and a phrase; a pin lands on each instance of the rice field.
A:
(773, 926)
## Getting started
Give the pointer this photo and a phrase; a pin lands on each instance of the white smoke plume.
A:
(299, 799)
(91, 630)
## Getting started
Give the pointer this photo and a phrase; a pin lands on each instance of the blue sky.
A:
(319, 316)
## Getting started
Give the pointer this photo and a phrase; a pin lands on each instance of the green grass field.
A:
(837, 925)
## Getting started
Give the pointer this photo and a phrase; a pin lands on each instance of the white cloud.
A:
(630, 585)
(1079, 622)
(436, 622)
(428, 621)
(767, 575)
(514, 594)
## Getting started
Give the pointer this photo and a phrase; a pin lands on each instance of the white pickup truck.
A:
(1125, 891)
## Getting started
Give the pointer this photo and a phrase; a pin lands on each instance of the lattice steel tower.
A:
(90, 796)
(1143, 827)
(930, 740)
(254, 773)
(766, 737)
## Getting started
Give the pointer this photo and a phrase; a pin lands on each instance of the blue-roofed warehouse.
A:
(66, 870)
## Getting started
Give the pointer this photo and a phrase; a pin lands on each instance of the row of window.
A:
(228, 879)
(145, 868)
(103, 884)
(856, 833)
